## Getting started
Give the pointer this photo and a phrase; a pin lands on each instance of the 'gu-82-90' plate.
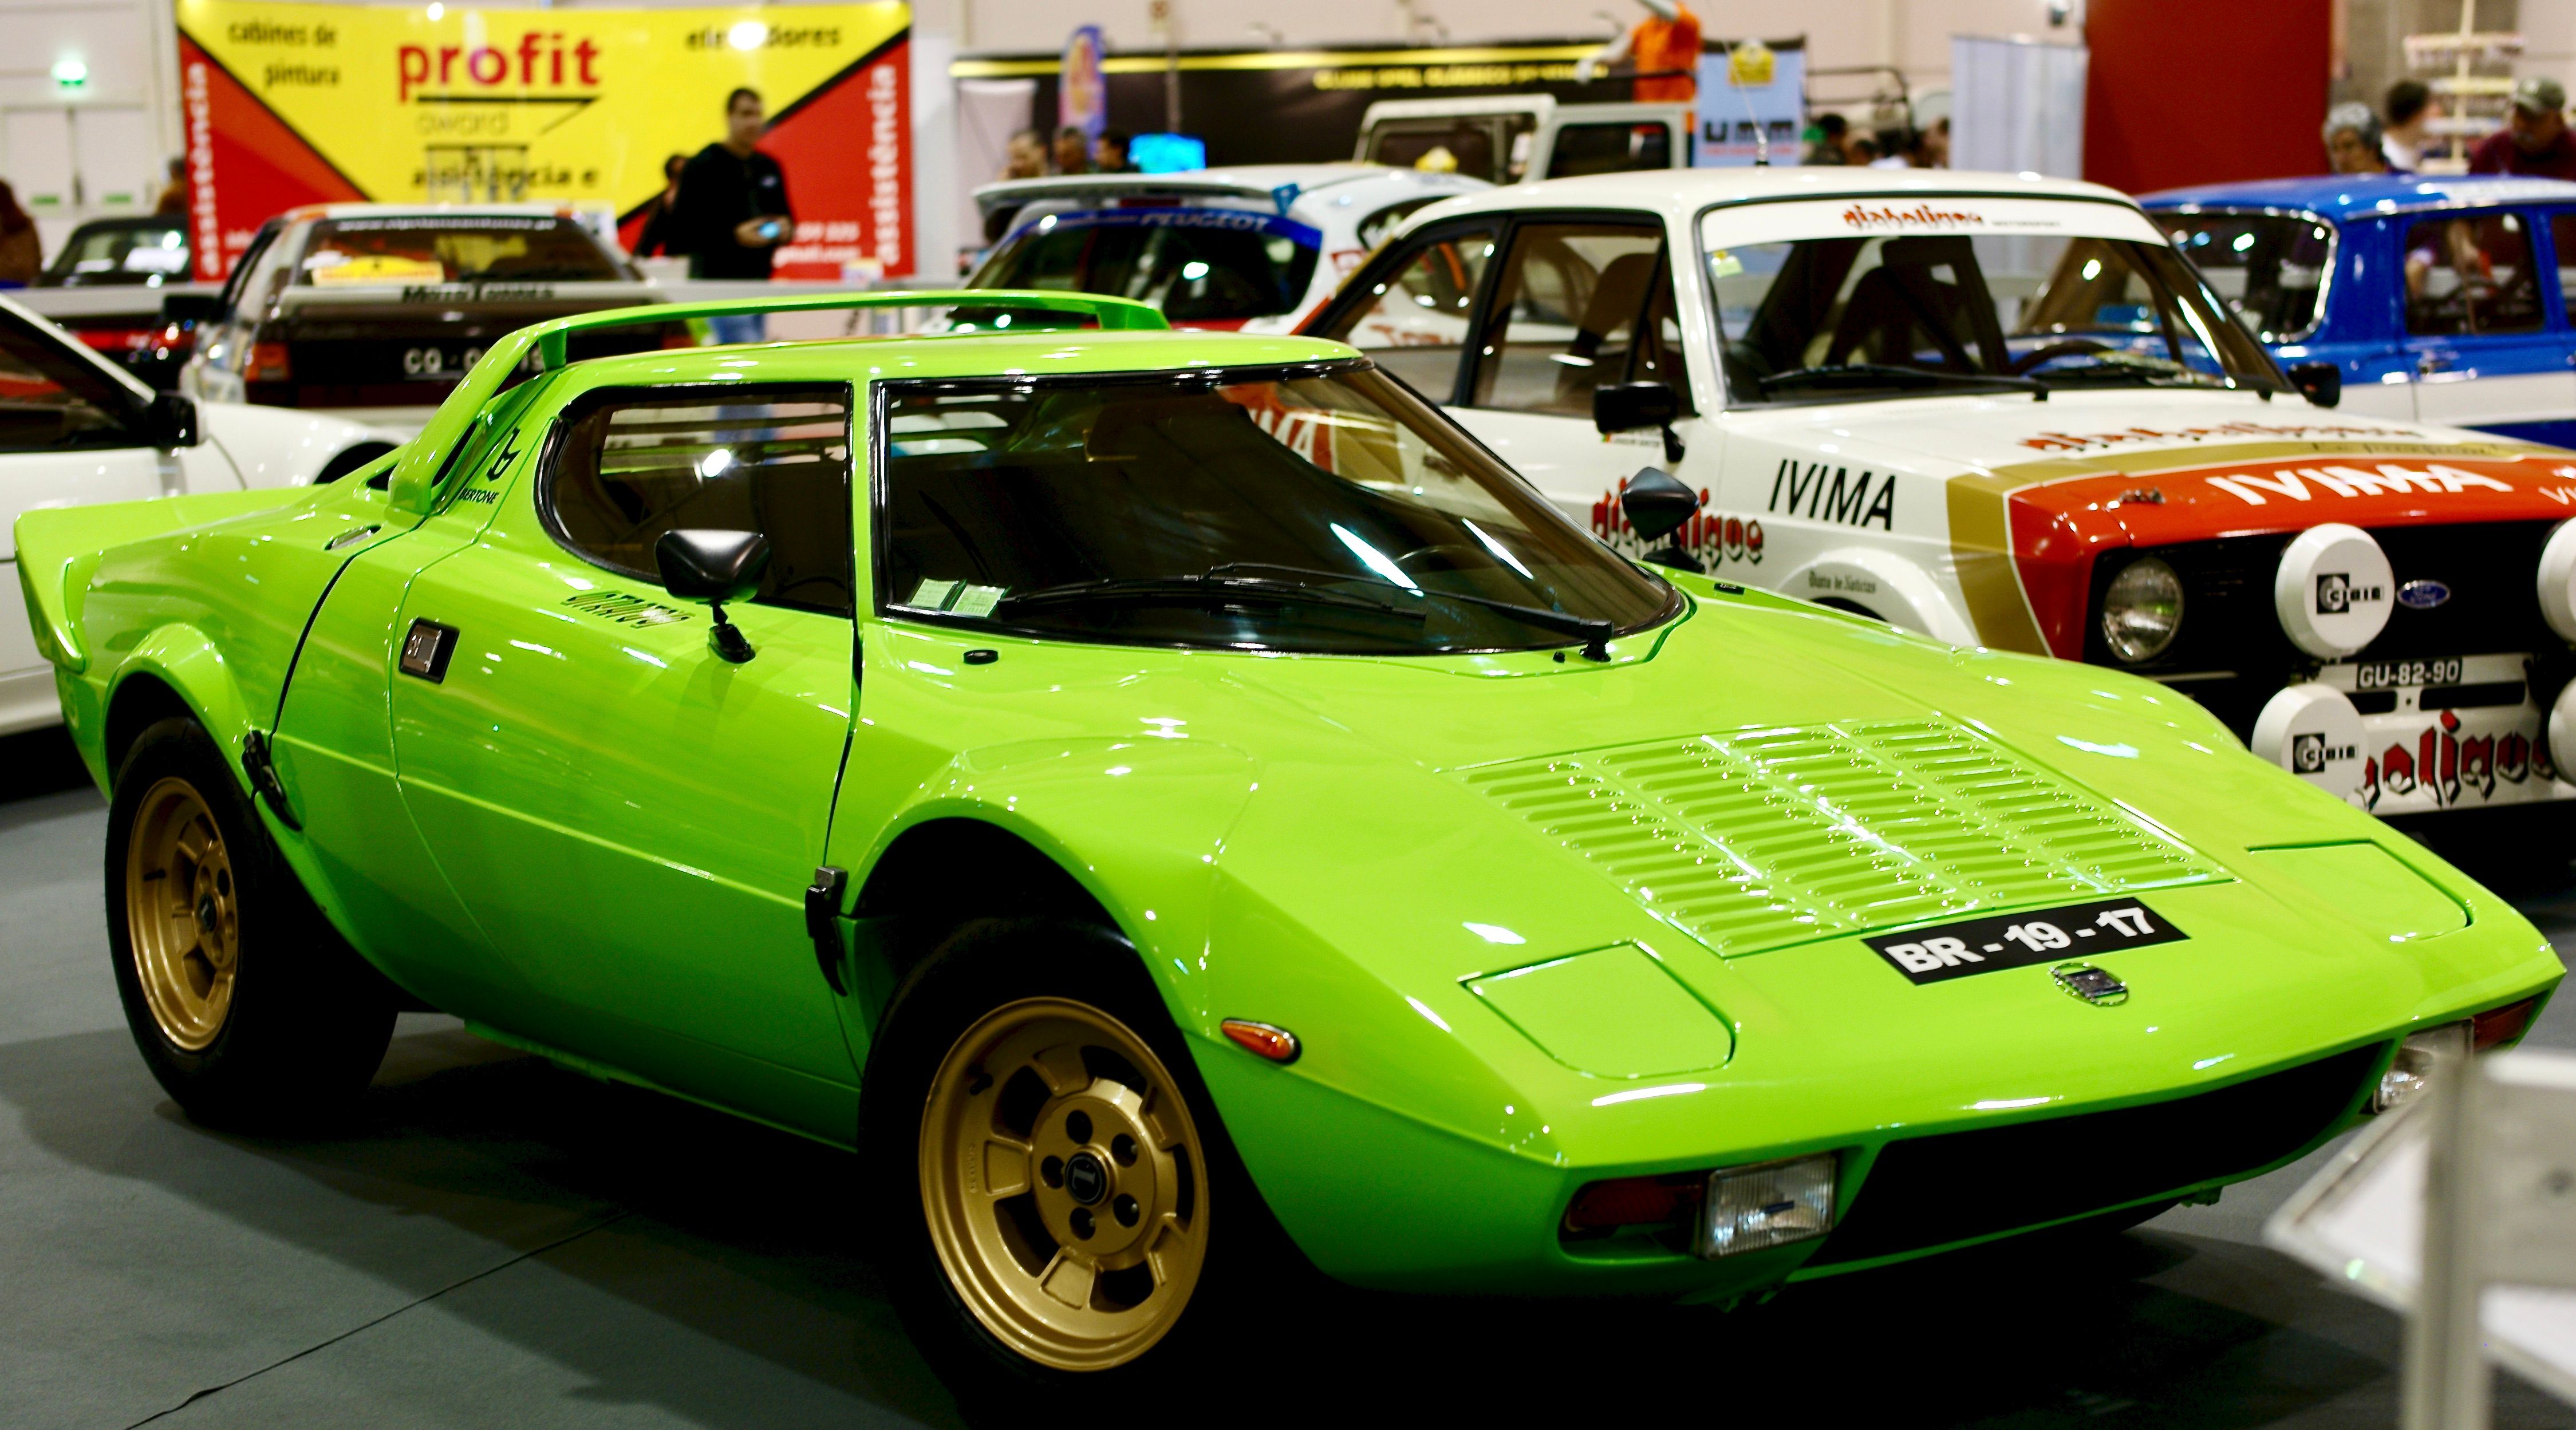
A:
(1956, 950)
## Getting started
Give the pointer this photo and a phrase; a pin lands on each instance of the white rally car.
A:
(2003, 411)
(76, 428)
(1253, 248)
(374, 311)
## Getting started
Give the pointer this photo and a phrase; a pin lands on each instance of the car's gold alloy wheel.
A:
(1064, 1183)
(182, 914)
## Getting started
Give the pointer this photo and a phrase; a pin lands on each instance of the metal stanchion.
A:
(2447, 1382)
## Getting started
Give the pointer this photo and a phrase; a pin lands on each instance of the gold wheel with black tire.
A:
(1057, 1208)
(247, 1005)
(1061, 1175)
(182, 912)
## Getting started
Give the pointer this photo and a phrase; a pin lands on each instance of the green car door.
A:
(630, 818)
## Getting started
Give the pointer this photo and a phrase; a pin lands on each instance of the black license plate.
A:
(2072, 931)
(2404, 674)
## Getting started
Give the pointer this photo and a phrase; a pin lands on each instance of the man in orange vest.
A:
(1665, 47)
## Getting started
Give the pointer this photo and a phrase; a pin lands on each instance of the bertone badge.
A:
(2422, 595)
(2093, 985)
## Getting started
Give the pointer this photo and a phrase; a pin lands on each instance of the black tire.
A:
(302, 1021)
(981, 971)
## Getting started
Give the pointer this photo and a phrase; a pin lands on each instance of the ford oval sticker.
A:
(2422, 595)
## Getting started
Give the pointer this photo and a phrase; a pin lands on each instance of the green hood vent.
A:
(1759, 838)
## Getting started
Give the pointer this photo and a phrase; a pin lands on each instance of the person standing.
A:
(1109, 153)
(732, 210)
(2409, 114)
(660, 235)
(1072, 150)
(173, 201)
(1025, 156)
(2352, 140)
(22, 252)
(2534, 140)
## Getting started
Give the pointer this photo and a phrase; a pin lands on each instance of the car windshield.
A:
(2269, 267)
(453, 248)
(1900, 298)
(122, 253)
(1199, 265)
(1322, 508)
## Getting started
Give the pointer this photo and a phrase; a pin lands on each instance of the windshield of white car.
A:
(1871, 315)
(2269, 267)
(1199, 265)
(1320, 508)
(396, 250)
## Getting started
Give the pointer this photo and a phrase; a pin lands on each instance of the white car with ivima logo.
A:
(2003, 411)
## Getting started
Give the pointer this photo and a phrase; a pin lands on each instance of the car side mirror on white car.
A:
(170, 420)
(1627, 406)
(2320, 382)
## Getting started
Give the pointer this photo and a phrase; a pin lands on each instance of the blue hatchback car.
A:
(2440, 300)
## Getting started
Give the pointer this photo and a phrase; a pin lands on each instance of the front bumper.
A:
(1960, 1111)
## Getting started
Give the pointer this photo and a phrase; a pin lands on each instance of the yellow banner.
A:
(572, 104)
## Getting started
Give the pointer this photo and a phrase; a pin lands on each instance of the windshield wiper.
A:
(1594, 631)
(1880, 374)
(2138, 367)
(1211, 586)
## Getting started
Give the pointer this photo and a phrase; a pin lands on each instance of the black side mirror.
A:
(2322, 382)
(1627, 406)
(171, 421)
(714, 567)
(1656, 503)
(191, 307)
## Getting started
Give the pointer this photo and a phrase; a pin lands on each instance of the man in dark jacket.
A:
(732, 210)
(2535, 139)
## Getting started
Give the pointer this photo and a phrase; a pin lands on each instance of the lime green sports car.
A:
(1189, 816)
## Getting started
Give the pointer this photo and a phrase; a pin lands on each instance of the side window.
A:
(632, 464)
(1579, 306)
(2562, 237)
(1609, 149)
(52, 401)
(1418, 313)
(2469, 275)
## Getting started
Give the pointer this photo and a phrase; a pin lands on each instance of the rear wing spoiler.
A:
(413, 487)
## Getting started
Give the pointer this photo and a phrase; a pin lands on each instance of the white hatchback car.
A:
(75, 428)
(1253, 249)
(2004, 411)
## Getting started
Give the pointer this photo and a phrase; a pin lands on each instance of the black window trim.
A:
(1391, 257)
(883, 390)
(1481, 327)
(578, 405)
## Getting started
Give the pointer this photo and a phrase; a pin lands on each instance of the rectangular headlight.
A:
(1768, 1204)
(2415, 1061)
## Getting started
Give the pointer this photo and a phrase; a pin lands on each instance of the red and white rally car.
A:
(2004, 411)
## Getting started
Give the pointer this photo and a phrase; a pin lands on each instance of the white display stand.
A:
(2017, 106)
(2459, 1209)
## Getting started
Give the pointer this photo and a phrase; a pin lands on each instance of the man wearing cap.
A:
(2535, 139)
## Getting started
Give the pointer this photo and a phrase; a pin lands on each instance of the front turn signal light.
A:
(2498, 1026)
(1262, 1040)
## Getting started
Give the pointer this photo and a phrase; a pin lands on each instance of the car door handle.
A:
(2427, 364)
(358, 533)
